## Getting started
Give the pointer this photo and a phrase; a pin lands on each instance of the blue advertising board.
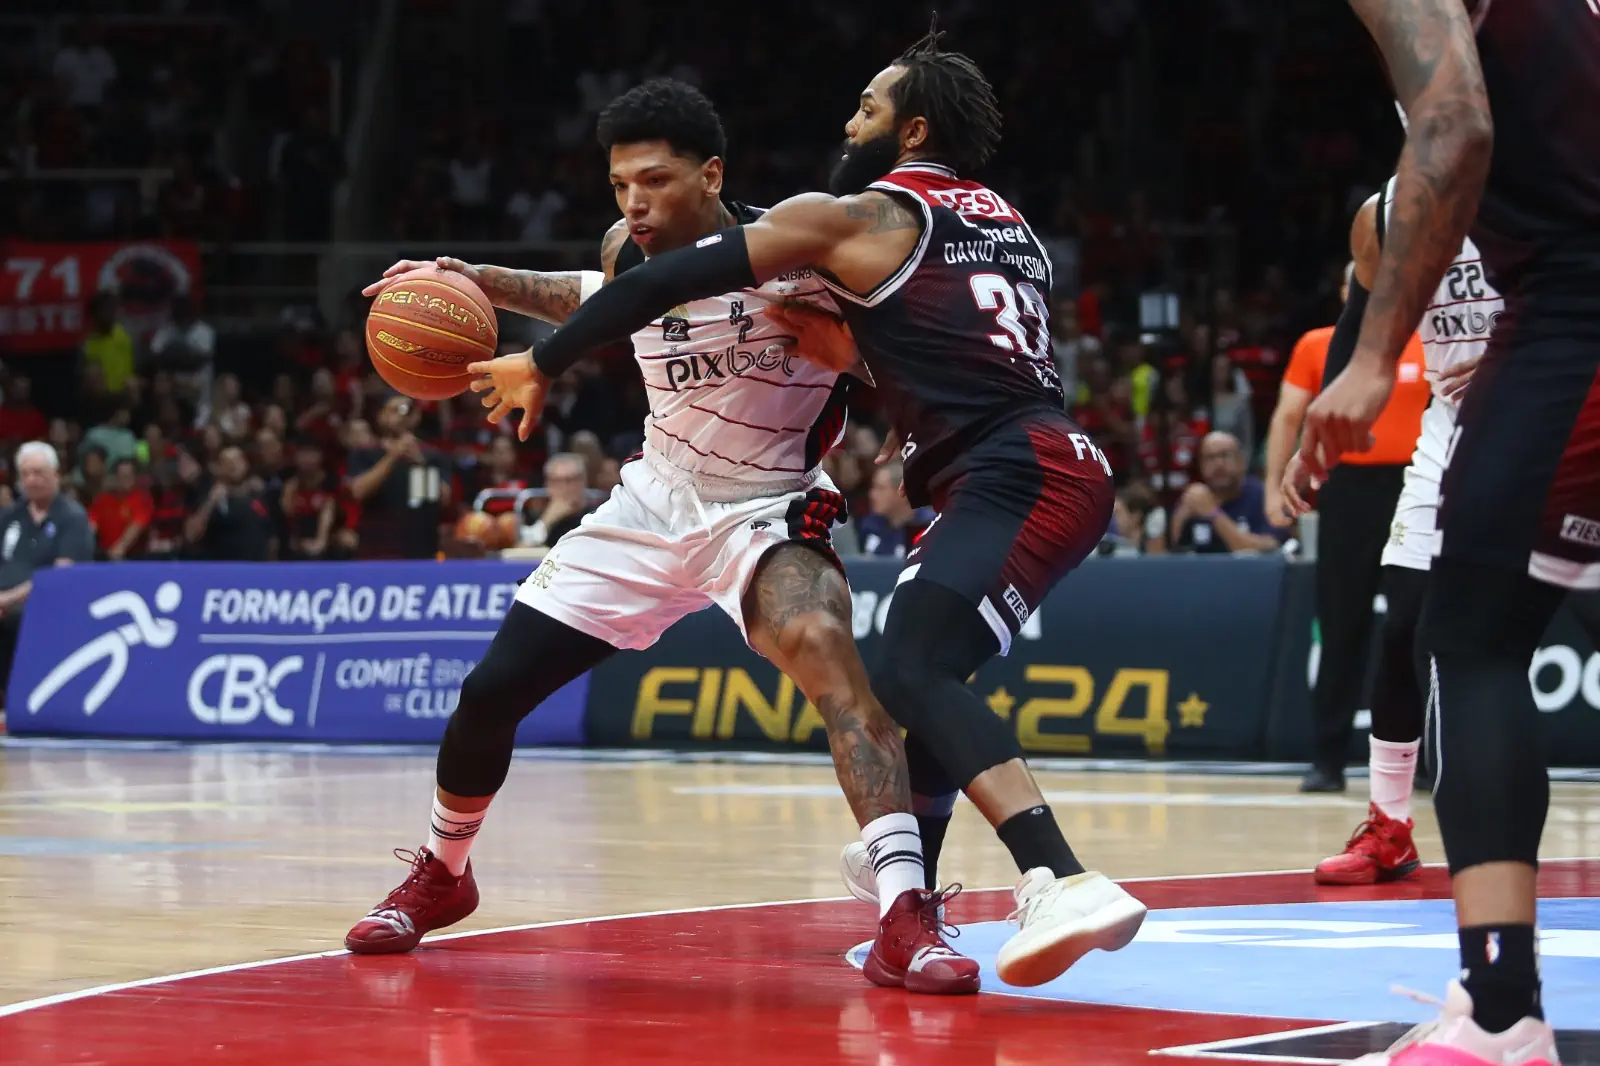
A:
(368, 652)
(1160, 657)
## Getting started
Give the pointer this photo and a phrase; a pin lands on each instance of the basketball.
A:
(508, 526)
(425, 327)
(478, 528)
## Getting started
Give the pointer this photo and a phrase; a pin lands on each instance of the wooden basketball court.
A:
(121, 865)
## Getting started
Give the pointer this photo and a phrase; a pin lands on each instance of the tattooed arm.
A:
(1432, 58)
(860, 240)
(550, 296)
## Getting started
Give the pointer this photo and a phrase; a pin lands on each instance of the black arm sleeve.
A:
(715, 265)
(1342, 345)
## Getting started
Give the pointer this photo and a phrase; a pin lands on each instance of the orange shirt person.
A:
(1396, 429)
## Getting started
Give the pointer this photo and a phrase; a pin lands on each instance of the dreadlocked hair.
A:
(951, 93)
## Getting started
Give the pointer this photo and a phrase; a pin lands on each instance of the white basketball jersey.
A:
(730, 396)
(1462, 314)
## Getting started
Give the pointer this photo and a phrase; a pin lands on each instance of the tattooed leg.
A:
(797, 612)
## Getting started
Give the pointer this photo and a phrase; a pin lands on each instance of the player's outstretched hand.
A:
(443, 262)
(1340, 420)
(512, 383)
(821, 337)
(1291, 501)
(1453, 380)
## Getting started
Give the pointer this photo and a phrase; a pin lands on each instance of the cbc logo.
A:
(1559, 674)
(236, 689)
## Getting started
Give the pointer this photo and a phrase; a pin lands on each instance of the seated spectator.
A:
(1069, 344)
(1167, 447)
(91, 475)
(1224, 511)
(310, 502)
(1138, 523)
(108, 345)
(232, 524)
(1230, 402)
(83, 67)
(186, 346)
(893, 524)
(44, 528)
(113, 437)
(225, 409)
(122, 512)
(20, 420)
(402, 487)
(567, 503)
(498, 470)
(170, 505)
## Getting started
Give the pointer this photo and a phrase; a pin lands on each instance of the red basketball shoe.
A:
(1380, 850)
(431, 898)
(911, 952)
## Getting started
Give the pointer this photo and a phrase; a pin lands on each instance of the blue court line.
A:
(58, 846)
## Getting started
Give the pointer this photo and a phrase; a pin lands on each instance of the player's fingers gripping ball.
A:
(425, 328)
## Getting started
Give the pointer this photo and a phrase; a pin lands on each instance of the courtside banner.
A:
(1159, 657)
(1564, 676)
(363, 652)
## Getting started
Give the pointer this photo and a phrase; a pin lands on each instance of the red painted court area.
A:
(761, 984)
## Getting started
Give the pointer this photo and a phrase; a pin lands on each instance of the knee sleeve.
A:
(933, 640)
(1480, 626)
(926, 773)
(1397, 695)
(532, 655)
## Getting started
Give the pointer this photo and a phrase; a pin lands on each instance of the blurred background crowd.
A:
(1193, 175)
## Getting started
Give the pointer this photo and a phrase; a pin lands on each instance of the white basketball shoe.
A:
(1061, 919)
(855, 866)
(1454, 1039)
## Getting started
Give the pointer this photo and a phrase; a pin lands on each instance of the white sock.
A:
(1394, 772)
(895, 849)
(450, 835)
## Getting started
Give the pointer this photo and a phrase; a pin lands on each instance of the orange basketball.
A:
(425, 327)
(509, 528)
(479, 528)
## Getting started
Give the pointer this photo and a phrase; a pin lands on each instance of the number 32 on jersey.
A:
(1011, 305)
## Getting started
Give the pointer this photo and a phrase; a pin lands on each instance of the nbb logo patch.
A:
(731, 362)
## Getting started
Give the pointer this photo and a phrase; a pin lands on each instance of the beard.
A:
(861, 164)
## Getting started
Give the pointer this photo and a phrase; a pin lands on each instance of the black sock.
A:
(932, 827)
(1034, 839)
(1501, 965)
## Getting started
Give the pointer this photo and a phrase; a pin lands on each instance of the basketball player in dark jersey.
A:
(1520, 502)
(945, 288)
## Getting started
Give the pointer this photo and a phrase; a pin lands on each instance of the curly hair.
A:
(948, 90)
(664, 109)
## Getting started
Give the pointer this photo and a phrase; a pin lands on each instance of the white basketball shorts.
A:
(656, 551)
(1414, 533)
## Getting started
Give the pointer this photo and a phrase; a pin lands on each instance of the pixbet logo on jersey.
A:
(1451, 325)
(730, 362)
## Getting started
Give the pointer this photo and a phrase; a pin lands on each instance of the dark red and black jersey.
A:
(306, 504)
(958, 339)
(1539, 221)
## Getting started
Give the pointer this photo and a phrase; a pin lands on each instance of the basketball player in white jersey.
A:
(1454, 331)
(727, 505)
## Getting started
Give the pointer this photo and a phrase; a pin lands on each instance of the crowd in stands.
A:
(206, 121)
(1227, 181)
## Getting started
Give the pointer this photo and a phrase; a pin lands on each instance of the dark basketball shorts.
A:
(1033, 501)
(1522, 489)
